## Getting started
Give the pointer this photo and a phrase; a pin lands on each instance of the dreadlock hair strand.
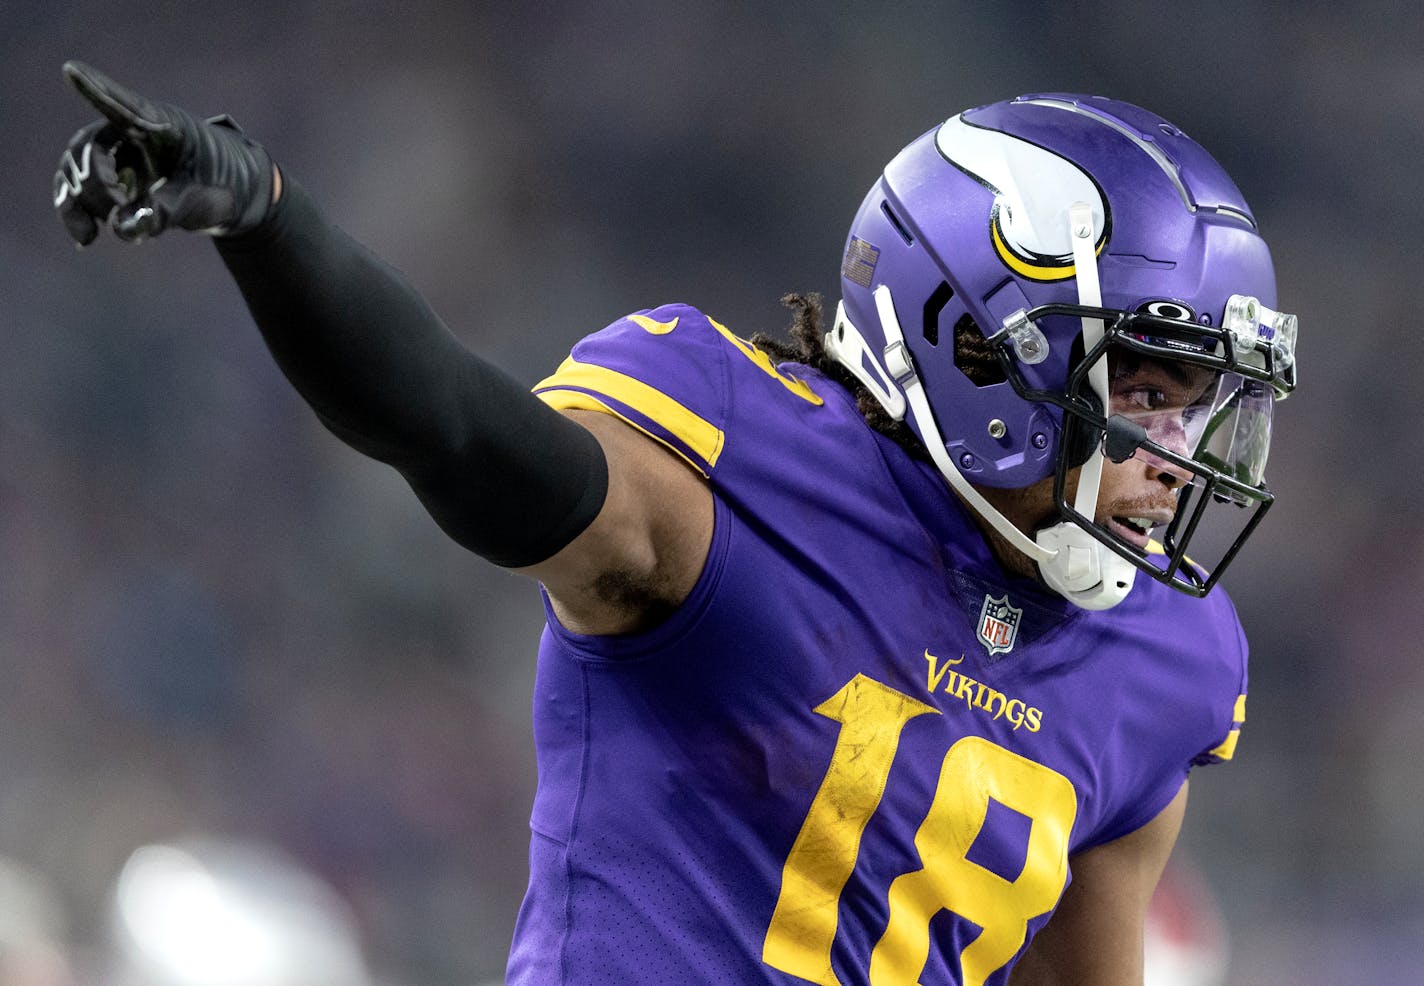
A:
(805, 344)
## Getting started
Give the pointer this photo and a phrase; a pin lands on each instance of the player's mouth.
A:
(1136, 529)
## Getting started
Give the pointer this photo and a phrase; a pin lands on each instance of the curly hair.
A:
(805, 344)
(973, 355)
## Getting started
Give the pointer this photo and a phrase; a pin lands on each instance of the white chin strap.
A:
(1083, 569)
(1072, 562)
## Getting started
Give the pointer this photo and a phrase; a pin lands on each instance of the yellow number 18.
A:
(872, 716)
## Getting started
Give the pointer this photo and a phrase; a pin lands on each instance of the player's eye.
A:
(1140, 398)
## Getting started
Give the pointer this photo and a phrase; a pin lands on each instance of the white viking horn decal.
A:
(1033, 189)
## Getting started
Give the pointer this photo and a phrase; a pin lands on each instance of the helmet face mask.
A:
(1065, 232)
(1211, 431)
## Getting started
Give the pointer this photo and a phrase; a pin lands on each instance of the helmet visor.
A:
(1235, 429)
(1219, 419)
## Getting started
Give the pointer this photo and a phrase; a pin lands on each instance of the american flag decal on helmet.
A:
(858, 266)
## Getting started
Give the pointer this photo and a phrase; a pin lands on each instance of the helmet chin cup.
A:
(1082, 569)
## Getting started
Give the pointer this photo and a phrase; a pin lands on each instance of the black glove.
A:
(147, 166)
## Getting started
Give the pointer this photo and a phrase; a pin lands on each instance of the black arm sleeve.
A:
(502, 473)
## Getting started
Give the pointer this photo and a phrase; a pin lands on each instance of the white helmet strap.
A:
(915, 405)
(1073, 563)
(848, 347)
(1083, 569)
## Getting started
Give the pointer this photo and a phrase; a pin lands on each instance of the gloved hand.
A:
(147, 166)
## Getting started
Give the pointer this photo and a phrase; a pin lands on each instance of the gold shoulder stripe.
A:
(796, 385)
(565, 389)
(566, 400)
(1155, 547)
(652, 325)
(1227, 749)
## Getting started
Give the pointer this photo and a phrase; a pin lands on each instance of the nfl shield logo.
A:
(998, 624)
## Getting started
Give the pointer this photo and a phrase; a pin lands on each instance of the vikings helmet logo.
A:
(1029, 221)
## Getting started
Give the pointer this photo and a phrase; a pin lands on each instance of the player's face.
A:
(1135, 495)
(1170, 401)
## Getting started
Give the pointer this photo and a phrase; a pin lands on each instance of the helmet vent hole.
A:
(895, 221)
(973, 355)
(934, 304)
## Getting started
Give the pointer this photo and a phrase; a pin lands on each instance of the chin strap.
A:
(1082, 569)
(1073, 563)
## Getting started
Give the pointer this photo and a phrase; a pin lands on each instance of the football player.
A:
(862, 662)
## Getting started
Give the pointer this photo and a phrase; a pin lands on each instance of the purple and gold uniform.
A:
(858, 752)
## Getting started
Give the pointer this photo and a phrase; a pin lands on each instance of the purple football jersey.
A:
(858, 752)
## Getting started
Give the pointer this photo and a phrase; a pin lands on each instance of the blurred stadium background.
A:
(220, 628)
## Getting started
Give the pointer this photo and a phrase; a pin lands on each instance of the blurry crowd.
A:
(226, 641)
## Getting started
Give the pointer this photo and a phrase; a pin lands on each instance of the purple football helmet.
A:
(1062, 228)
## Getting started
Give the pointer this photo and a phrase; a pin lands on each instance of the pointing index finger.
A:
(121, 106)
